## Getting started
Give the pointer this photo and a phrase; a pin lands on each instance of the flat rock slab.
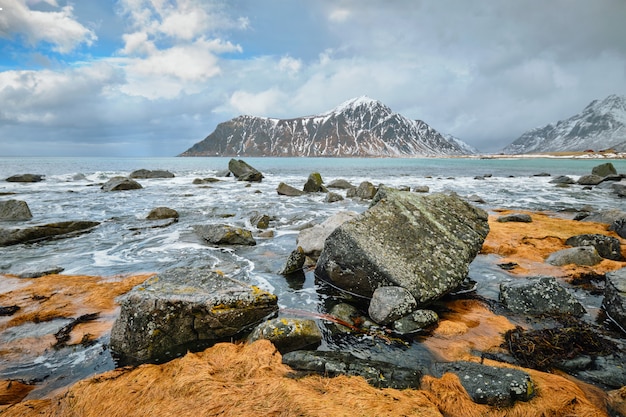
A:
(422, 243)
(491, 385)
(539, 295)
(376, 373)
(10, 237)
(185, 309)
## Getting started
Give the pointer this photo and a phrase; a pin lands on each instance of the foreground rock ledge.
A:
(422, 243)
(185, 309)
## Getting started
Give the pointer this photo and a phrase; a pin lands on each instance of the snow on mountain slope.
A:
(360, 127)
(601, 125)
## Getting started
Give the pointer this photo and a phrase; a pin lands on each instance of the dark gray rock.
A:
(542, 174)
(224, 234)
(312, 239)
(120, 184)
(49, 231)
(515, 217)
(608, 247)
(582, 255)
(563, 179)
(288, 190)
(415, 321)
(390, 303)
(619, 227)
(590, 180)
(606, 216)
(366, 190)
(347, 313)
(209, 180)
(620, 189)
(39, 272)
(537, 296)
(25, 178)
(604, 170)
(340, 184)
(147, 174)
(15, 210)
(288, 334)
(295, 262)
(185, 309)
(244, 172)
(160, 213)
(421, 243)
(333, 197)
(614, 303)
(499, 387)
(314, 184)
(376, 373)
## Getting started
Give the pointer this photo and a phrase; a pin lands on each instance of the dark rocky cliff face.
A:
(361, 127)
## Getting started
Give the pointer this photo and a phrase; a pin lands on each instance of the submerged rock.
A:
(224, 234)
(15, 210)
(121, 184)
(421, 243)
(147, 174)
(185, 309)
(160, 213)
(539, 295)
(25, 178)
(491, 385)
(10, 237)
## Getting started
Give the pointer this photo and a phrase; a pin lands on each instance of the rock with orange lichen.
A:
(185, 309)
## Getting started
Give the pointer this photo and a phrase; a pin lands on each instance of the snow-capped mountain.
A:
(601, 125)
(361, 127)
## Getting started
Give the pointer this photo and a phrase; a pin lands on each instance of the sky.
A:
(149, 78)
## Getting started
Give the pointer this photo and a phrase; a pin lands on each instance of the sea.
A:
(126, 243)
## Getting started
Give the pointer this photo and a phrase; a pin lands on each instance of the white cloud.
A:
(59, 28)
(289, 65)
(339, 15)
(264, 103)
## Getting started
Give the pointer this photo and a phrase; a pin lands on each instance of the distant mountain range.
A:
(361, 127)
(601, 125)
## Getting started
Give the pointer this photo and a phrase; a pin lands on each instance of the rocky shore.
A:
(517, 344)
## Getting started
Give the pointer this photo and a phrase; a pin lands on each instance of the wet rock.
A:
(185, 309)
(376, 373)
(209, 180)
(366, 190)
(421, 189)
(146, 174)
(608, 247)
(288, 334)
(415, 321)
(333, 197)
(25, 178)
(14, 210)
(120, 184)
(562, 179)
(160, 213)
(39, 272)
(475, 199)
(244, 172)
(421, 243)
(606, 216)
(604, 170)
(288, 190)
(539, 295)
(295, 262)
(314, 184)
(340, 184)
(614, 303)
(515, 217)
(499, 387)
(40, 233)
(619, 227)
(224, 234)
(582, 255)
(349, 315)
(312, 239)
(390, 303)
(260, 221)
(620, 189)
(542, 174)
(590, 180)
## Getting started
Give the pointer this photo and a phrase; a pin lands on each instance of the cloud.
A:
(58, 28)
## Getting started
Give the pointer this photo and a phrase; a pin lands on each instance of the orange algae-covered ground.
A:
(239, 379)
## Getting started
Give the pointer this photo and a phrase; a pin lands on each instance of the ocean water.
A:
(126, 243)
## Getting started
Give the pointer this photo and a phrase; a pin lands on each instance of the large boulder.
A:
(614, 302)
(146, 174)
(185, 309)
(25, 178)
(591, 179)
(48, 231)
(224, 234)
(608, 247)
(244, 172)
(581, 255)
(120, 184)
(14, 210)
(422, 243)
(314, 184)
(604, 170)
(288, 190)
(312, 239)
(539, 295)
